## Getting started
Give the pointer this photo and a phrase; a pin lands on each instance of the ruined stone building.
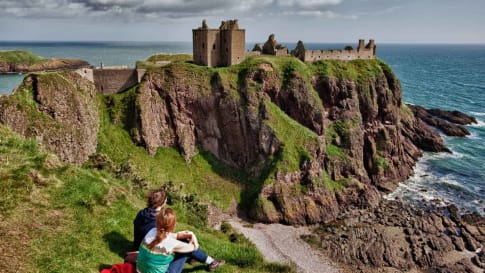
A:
(271, 47)
(224, 46)
(362, 52)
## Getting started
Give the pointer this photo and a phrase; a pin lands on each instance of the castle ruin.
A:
(224, 46)
(362, 52)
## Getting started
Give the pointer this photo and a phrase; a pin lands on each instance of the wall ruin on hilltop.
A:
(111, 80)
(365, 52)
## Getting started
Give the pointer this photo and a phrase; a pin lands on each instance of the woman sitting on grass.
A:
(158, 248)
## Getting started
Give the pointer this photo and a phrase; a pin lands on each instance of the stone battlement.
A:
(347, 54)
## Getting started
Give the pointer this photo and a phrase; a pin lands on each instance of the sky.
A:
(332, 21)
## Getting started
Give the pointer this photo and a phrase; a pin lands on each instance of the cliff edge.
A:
(313, 139)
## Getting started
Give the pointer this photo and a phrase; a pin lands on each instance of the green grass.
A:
(19, 57)
(295, 138)
(198, 176)
(159, 60)
(356, 70)
(170, 58)
(79, 219)
(381, 162)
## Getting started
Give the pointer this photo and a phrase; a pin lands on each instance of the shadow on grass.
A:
(252, 185)
(118, 243)
(195, 268)
(104, 266)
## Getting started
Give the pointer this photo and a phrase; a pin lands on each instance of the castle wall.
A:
(362, 52)
(110, 81)
(282, 52)
(252, 53)
(86, 73)
(344, 55)
(232, 46)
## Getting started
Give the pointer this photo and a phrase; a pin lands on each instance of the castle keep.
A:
(224, 46)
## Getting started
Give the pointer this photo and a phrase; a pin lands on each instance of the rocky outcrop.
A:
(44, 65)
(403, 238)
(449, 122)
(57, 109)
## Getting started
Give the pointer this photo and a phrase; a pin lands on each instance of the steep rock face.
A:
(59, 110)
(314, 139)
(179, 110)
(317, 139)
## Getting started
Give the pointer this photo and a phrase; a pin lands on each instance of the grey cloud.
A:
(142, 9)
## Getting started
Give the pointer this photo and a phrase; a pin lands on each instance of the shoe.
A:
(216, 264)
(192, 261)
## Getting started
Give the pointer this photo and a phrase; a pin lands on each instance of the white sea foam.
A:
(479, 114)
(480, 123)
(474, 136)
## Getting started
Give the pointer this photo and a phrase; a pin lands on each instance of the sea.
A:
(445, 76)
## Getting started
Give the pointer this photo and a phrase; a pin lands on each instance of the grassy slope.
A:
(62, 218)
(77, 218)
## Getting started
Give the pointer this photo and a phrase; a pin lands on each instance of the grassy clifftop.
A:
(19, 57)
(14, 61)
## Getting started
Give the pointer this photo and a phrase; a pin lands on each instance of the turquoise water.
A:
(450, 77)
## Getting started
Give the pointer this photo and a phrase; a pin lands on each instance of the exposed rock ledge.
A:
(395, 237)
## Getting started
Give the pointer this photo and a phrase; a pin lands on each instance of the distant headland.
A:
(19, 61)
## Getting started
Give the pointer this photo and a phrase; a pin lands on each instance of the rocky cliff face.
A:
(318, 137)
(59, 110)
(314, 138)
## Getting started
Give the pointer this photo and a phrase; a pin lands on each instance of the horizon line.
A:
(248, 42)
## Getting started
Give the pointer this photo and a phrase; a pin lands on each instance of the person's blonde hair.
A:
(166, 221)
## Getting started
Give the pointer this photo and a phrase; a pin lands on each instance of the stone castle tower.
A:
(219, 47)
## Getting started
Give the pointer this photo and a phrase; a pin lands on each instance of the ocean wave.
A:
(480, 114)
(473, 85)
(474, 136)
(434, 156)
(480, 123)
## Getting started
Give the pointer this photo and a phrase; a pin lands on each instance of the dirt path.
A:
(280, 243)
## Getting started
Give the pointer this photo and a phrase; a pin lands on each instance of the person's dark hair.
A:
(156, 198)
